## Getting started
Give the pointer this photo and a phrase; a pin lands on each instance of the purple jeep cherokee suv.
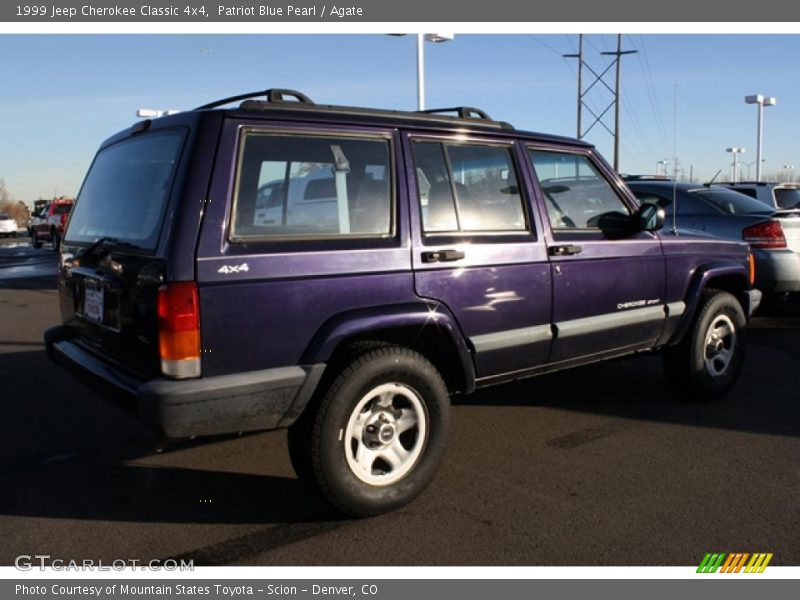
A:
(341, 271)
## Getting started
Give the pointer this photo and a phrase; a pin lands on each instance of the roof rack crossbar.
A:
(273, 96)
(463, 112)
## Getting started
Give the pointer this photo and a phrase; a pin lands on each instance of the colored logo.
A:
(735, 562)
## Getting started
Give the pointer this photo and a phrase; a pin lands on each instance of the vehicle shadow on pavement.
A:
(91, 489)
(764, 400)
(44, 282)
(64, 453)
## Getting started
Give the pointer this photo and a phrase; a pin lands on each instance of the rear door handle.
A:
(442, 256)
(568, 250)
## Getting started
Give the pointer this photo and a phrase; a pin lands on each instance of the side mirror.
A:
(650, 217)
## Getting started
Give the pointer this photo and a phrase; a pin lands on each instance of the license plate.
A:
(93, 303)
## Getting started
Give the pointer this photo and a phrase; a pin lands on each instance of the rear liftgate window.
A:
(306, 186)
(126, 190)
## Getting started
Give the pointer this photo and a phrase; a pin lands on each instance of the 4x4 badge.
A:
(229, 269)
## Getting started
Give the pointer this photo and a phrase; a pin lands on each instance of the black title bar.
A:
(374, 11)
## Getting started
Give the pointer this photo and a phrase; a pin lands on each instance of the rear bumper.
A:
(752, 300)
(250, 401)
(777, 271)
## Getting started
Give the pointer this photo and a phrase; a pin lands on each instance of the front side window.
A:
(300, 186)
(467, 188)
(576, 194)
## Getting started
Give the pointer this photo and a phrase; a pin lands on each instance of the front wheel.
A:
(707, 362)
(35, 241)
(379, 432)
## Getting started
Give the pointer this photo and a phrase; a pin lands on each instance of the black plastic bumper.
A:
(183, 408)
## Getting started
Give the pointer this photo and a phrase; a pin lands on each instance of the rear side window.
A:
(575, 192)
(787, 197)
(62, 209)
(125, 192)
(746, 191)
(307, 186)
(467, 188)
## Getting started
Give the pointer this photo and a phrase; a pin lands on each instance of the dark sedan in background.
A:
(773, 235)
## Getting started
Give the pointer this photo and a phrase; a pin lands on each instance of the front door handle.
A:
(568, 250)
(442, 256)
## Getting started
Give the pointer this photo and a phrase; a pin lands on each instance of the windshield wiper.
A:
(104, 241)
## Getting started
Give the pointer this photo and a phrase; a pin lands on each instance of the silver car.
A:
(774, 236)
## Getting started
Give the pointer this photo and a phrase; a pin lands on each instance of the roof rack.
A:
(463, 112)
(279, 99)
(273, 96)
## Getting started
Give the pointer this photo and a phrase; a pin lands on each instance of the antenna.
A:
(675, 161)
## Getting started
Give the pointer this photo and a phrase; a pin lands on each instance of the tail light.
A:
(768, 234)
(179, 329)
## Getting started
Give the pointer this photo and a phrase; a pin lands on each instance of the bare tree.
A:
(17, 210)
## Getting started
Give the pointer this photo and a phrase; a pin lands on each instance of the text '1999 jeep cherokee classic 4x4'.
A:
(445, 253)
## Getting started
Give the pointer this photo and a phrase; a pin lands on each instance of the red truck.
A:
(49, 224)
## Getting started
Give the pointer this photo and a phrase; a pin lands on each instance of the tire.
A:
(378, 433)
(35, 241)
(56, 239)
(707, 362)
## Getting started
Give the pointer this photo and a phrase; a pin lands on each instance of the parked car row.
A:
(773, 233)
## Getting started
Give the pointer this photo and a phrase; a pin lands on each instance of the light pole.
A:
(661, 163)
(786, 170)
(761, 101)
(736, 152)
(436, 38)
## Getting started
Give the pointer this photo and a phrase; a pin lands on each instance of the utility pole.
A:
(617, 56)
(579, 56)
(600, 78)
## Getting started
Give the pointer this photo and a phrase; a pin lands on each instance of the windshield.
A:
(787, 197)
(125, 193)
(730, 202)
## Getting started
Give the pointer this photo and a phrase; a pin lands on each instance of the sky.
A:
(62, 95)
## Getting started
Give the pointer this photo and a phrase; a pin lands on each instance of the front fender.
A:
(729, 276)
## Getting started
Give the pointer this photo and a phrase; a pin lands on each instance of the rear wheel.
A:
(377, 436)
(708, 360)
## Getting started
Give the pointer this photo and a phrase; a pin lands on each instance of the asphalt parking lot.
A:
(597, 466)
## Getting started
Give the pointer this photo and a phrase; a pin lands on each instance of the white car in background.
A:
(8, 225)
